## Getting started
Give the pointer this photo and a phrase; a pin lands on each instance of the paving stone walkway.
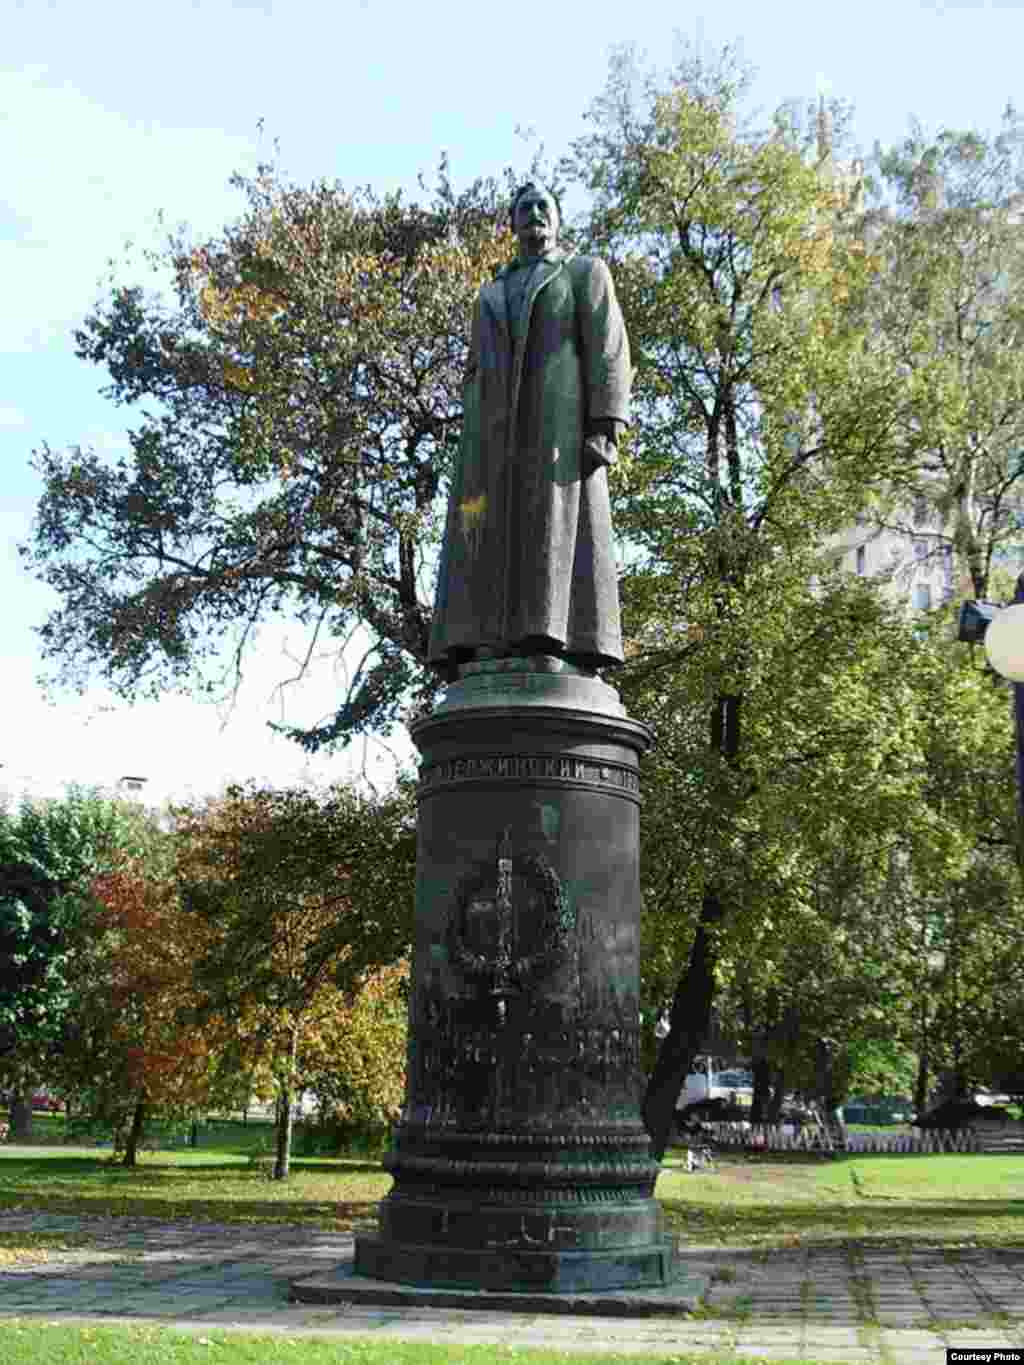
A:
(847, 1302)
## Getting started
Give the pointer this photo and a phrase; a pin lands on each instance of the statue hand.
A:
(598, 453)
(599, 447)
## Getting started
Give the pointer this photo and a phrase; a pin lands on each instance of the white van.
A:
(714, 1078)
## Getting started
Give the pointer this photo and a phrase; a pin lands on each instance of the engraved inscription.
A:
(514, 767)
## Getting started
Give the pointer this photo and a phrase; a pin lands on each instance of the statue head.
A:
(535, 217)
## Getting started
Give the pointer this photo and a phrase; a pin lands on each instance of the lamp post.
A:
(1001, 629)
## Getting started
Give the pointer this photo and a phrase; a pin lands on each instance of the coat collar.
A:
(555, 257)
(549, 266)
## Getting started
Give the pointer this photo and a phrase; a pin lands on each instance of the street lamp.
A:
(974, 621)
(1004, 642)
(1001, 628)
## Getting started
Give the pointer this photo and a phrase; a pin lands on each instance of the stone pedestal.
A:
(521, 1162)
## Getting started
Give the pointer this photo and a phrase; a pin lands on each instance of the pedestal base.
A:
(516, 1269)
(681, 1296)
(521, 1163)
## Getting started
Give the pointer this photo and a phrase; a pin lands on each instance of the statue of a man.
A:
(527, 566)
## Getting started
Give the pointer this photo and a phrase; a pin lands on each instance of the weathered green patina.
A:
(528, 564)
(521, 1161)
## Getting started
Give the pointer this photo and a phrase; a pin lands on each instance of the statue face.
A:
(536, 223)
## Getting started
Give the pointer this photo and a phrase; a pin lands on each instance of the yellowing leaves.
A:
(303, 894)
(238, 376)
(231, 307)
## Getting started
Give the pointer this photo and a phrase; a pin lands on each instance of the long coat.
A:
(528, 544)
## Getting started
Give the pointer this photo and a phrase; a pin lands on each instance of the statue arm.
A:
(604, 345)
(606, 363)
(473, 354)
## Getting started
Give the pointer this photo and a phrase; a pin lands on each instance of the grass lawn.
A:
(750, 1200)
(49, 1129)
(25, 1343)
(336, 1193)
(947, 1200)
(755, 1201)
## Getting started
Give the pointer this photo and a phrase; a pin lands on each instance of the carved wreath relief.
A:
(515, 1028)
(505, 970)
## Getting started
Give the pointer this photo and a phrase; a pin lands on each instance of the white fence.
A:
(768, 1137)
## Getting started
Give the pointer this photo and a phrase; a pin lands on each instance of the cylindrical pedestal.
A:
(521, 1161)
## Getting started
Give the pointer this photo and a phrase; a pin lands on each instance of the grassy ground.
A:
(49, 1129)
(335, 1193)
(26, 1343)
(948, 1200)
(762, 1201)
(758, 1201)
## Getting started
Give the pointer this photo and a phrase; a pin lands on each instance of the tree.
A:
(355, 1061)
(50, 852)
(799, 839)
(762, 415)
(133, 1045)
(962, 922)
(299, 405)
(884, 938)
(945, 228)
(304, 893)
(945, 231)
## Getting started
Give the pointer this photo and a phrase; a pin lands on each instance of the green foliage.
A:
(297, 409)
(761, 414)
(358, 1071)
(309, 900)
(822, 769)
(830, 799)
(306, 887)
(50, 852)
(944, 235)
(764, 411)
(880, 1067)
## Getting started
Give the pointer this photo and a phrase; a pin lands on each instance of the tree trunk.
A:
(960, 1086)
(689, 1021)
(923, 1048)
(135, 1133)
(777, 1094)
(825, 1068)
(690, 1017)
(21, 1116)
(921, 1083)
(761, 1101)
(282, 1161)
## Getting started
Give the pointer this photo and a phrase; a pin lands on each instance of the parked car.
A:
(877, 1110)
(957, 1114)
(713, 1078)
(691, 1118)
(41, 1100)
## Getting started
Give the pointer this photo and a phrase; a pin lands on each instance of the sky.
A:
(113, 112)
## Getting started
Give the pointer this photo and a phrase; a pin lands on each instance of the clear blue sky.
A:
(111, 111)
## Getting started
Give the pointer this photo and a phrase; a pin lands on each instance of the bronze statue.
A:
(528, 566)
(520, 1163)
